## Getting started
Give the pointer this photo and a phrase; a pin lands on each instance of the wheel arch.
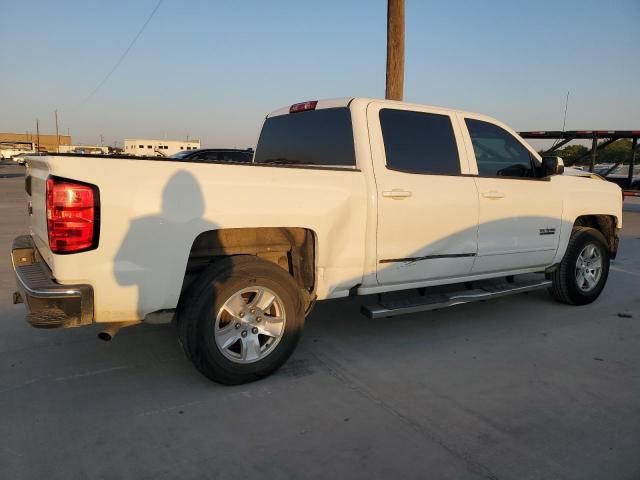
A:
(294, 249)
(605, 224)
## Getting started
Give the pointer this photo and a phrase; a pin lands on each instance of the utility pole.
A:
(37, 135)
(101, 140)
(395, 50)
(57, 135)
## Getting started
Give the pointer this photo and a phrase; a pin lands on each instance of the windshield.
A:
(182, 154)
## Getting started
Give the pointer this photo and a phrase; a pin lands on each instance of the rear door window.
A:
(417, 142)
(315, 137)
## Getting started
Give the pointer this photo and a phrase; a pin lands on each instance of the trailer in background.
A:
(613, 172)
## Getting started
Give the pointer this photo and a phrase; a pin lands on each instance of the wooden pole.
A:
(37, 135)
(395, 50)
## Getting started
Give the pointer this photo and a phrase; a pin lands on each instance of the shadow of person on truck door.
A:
(155, 251)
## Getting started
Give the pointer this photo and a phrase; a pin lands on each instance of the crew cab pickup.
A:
(343, 197)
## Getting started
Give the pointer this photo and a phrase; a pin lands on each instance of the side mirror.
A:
(552, 166)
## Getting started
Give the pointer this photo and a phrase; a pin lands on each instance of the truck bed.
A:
(152, 210)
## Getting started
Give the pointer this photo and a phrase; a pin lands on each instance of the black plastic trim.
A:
(472, 175)
(427, 257)
(345, 168)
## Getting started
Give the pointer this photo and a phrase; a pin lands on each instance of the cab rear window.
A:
(316, 137)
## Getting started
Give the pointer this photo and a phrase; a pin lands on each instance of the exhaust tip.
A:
(105, 336)
(111, 329)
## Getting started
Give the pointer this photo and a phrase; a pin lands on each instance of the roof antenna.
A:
(566, 105)
(564, 122)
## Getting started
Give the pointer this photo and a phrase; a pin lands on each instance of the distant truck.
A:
(343, 197)
(9, 150)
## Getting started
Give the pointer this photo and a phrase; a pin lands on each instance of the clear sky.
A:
(213, 69)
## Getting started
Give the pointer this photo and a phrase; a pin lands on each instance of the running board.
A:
(392, 308)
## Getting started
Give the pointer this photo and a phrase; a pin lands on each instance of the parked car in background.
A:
(21, 158)
(215, 155)
(620, 176)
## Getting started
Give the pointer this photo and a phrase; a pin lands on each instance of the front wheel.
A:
(583, 272)
(241, 320)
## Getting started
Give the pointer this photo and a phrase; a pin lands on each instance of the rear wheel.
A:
(583, 272)
(241, 320)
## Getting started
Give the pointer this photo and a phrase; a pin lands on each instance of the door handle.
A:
(494, 195)
(396, 193)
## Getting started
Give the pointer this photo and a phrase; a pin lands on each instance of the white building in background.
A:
(92, 149)
(157, 148)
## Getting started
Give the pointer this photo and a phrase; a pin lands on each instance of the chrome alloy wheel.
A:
(588, 267)
(250, 324)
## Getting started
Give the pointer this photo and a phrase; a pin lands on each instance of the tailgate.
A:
(35, 186)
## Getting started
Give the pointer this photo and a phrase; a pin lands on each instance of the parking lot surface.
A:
(515, 388)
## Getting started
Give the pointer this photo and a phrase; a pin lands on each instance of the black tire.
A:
(565, 285)
(207, 295)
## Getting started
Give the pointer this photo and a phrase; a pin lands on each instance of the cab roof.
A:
(344, 102)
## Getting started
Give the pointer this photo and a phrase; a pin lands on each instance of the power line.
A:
(122, 57)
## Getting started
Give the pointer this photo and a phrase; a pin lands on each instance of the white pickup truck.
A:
(343, 197)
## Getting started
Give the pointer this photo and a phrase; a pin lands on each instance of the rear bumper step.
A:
(392, 308)
(50, 304)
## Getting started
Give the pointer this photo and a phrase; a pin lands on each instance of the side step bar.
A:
(392, 308)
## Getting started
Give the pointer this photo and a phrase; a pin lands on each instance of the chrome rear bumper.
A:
(50, 304)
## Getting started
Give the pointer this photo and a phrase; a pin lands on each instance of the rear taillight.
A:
(72, 215)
